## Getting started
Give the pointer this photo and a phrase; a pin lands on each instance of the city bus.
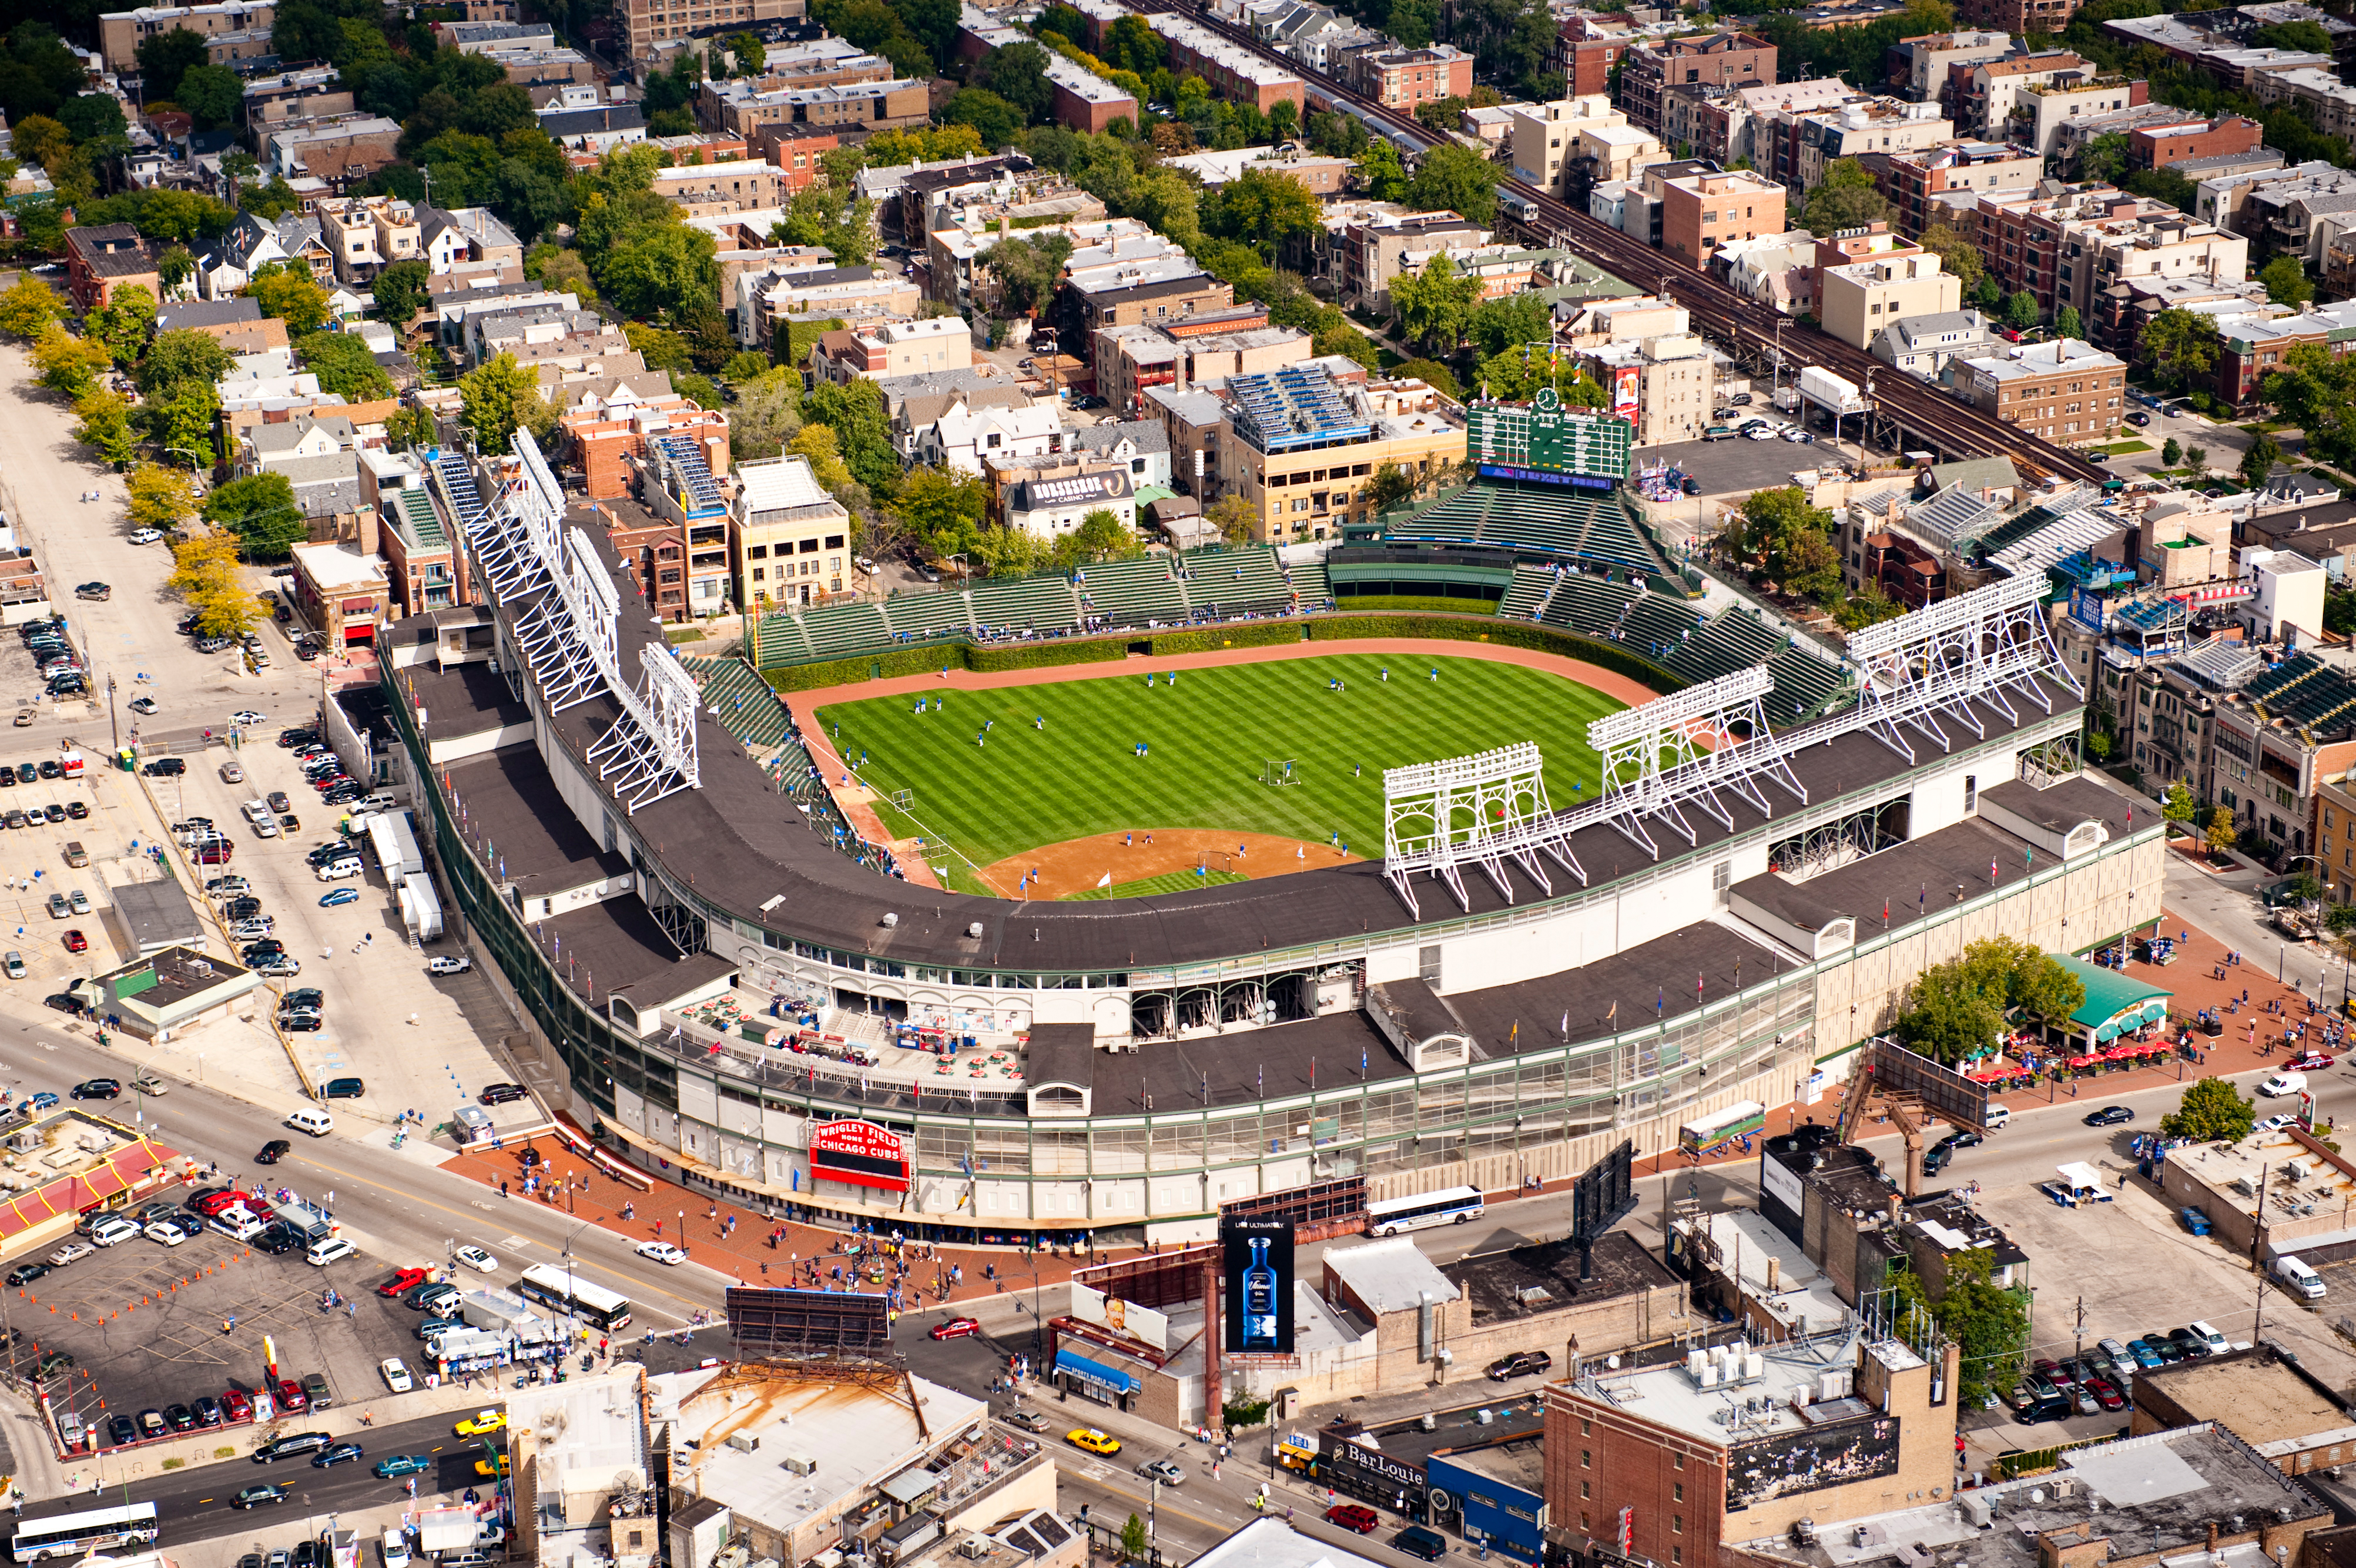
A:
(80, 1534)
(575, 1297)
(1450, 1205)
(1738, 1119)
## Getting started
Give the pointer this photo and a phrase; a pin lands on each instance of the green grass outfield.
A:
(1149, 886)
(1207, 739)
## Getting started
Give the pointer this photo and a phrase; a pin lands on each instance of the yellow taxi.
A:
(1095, 1442)
(485, 1467)
(482, 1421)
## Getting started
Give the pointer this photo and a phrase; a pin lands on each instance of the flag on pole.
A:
(1106, 880)
(1613, 1017)
(1566, 1023)
(1991, 871)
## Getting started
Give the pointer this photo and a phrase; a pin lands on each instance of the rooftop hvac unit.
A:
(2296, 1170)
(974, 1546)
(799, 1464)
(746, 1443)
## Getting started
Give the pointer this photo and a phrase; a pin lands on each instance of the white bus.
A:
(1706, 1132)
(1450, 1206)
(80, 1534)
(593, 1305)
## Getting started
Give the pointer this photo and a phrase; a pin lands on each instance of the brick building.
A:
(1403, 79)
(2018, 16)
(1701, 211)
(1725, 60)
(102, 260)
(1647, 1455)
(1945, 184)
(1586, 48)
(2161, 146)
(1233, 72)
(2065, 390)
(120, 33)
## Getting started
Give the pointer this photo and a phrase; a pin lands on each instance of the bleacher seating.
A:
(1312, 585)
(1526, 594)
(1804, 685)
(1131, 593)
(1455, 518)
(1587, 604)
(1655, 627)
(836, 631)
(921, 618)
(743, 704)
(1024, 603)
(782, 641)
(1222, 583)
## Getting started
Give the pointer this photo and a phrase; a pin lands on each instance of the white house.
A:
(963, 435)
(1050, 508)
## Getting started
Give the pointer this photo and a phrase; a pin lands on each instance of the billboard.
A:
(1625, 380)
(1604, 1194)
(763, 1319)
(1368, 1472)
(860, 1153)
(1945, 1093)
(1125, 1318)
(1256, 1270)
(1790, 1462)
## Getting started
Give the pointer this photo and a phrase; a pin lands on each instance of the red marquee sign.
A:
(861, 1153)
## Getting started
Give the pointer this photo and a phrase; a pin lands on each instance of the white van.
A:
(2282, 1083)
(2207, 1334)
(395, 1547)
(112, 1231)
(2296, 1278)
(318, 1123)
(322, 1252)
(1999, 1116)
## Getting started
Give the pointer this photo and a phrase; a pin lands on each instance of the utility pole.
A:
(2078, 1331)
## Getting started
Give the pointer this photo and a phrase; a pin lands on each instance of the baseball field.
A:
(990, 779)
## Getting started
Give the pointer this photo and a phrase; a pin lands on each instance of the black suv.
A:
(167, 767)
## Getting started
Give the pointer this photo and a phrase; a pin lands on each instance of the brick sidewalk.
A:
(2253, 1039)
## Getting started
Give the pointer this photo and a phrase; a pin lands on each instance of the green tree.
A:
(69, 364)
(752, 55)
(174, 266)
(260, 511)
(496, 399)
(345, 366)
(767, 415)
(944, 510)
(103, 423)
(2259, 461)
(124, 324)
(29, 308)
(991, 118)
(1845, 198)
(1133, 1543)
(2286, 281)
(1503, 326)
(2197, 458)
(1956, 1008)
(1102, 536)
(287, 290)
(2181, 345)
(1027, 269)
(1956, 255)
(2066, 322)
(1435, 307)
(2105, 157)
(214, 95)
(2211, 1110)
(180, 422)
(1018, 74)
(862, 435)
(205, 573)
(1987, 1323)
(1234, 517)
(408, 426)
(400, 292)
(1868, 607)
(1455, 178)
(1379, 172)
(164, 58)
(665, 270)
(1261, 207)
(2303, 37)
(1771, 525)
(160, 497)
(183, 355)
(2021, 310)
(2178, 806)
(2170, 453)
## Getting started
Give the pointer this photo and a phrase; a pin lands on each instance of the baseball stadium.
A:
(1075, 906)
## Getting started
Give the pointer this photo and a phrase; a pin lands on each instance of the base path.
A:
(1075, 865)
(857, 803)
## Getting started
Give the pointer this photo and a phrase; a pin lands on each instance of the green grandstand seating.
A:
(920, 617)
(1025, 604)
(836, 631)
(1526, 594)
(1804, 685)
(782, 641)
(743, 704)
(1455, 518)
(1310, 585)
(1587, 604)
(1130, 593)
(1235, 582)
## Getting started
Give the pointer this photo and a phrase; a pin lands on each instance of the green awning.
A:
(2110, 993)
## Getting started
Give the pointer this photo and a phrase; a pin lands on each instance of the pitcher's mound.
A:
(1076, 866)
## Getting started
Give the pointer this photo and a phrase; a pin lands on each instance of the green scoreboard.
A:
(1545, 443)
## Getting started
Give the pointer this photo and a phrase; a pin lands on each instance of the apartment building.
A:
(1132, 360)
(2040, 111)
(120, 33)
(366, 234)
(1376, 250)
(1232, 72)
(1102, 289)
(2169, 146)
(1980, 94)
(788, 541)
(103, 259)
(648, 25)
(2066, 391)
(1887, 127)
(1404, 79)
(2018, 16)
(1929, 60)
(708, 190)
(1725, 60)
(1587, 46)
(1945, 184)
(1305, 443)
(1665, 385)
(1700, 212)
(2143, 249)
(1921, 346)
(338, 149)
(1857, 301)
(739, 108)
(894, 348)
(1085, 101)
(2022, 236)
(2255, 344)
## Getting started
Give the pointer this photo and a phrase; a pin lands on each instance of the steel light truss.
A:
(1681, 750)
(570, 636)
(1977, 650)
(1483, 810)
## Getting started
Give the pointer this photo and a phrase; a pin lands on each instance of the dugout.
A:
(1365, 571)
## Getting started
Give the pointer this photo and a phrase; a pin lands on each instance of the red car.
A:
(2310, 1061)
(76, 941)
(228, 1197)
(290, 1396)
(956, 1328)
(1353, 1516)
(404, 1281)
(235, 1406)
(2105, 1393)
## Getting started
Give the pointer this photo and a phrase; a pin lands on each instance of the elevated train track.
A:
(1907, 414)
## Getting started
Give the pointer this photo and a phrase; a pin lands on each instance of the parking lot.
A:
(1738, 467)
(144, 1324)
